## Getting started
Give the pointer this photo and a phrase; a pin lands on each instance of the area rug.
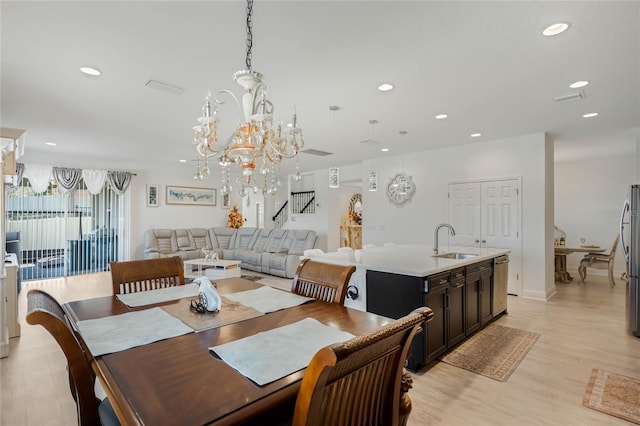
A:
(614, 394)
(252, 277)
(494, 352)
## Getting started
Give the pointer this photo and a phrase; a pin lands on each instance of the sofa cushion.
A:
(221, 237)
(160, 241)
(200, 238)
(184, 240)
(262, 237)
(276, 238)
(303, 240)
(245, 238)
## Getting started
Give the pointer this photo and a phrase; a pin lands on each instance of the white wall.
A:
(170, 216)
(432, 170)
(588, 197)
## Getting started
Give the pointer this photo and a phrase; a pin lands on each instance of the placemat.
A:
(119, 332)
(268, 299)
(229, 313)
(149, 297)
(273, 354)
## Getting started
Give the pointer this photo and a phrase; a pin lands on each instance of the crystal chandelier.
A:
(255, 141)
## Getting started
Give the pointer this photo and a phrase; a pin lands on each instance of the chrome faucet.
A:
(435, 234)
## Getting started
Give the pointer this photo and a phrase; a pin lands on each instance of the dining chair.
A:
(361, 381)
(599, 261)
(147, 274)
(322, 281)
(44, 310)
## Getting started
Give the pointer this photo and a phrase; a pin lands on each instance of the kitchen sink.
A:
(456, 255)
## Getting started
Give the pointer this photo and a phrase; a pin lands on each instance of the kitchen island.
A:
(461, 292)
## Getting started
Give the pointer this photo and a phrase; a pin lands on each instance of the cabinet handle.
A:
(484, 241)
(444, 281)
(460, 285)
(477, 241)
(446, 301)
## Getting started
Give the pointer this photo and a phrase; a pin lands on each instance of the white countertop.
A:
(410, 259)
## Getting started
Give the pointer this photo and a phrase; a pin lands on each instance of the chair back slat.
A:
(148, 274)
(47, 312)
(322, 281)
(358, 382)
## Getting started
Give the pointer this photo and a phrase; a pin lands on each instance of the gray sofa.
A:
(270, 251)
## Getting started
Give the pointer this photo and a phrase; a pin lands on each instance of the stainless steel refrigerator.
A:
(630, 243)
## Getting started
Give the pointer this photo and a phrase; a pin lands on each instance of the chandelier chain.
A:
(249, 33)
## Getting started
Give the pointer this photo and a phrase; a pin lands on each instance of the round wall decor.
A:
(400, 188)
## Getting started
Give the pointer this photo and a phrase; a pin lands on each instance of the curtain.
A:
(20, 174)
(39, 177)
(67, 179)
(119, 181)
(94, 179)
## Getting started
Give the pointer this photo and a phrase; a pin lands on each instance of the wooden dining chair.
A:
(148, 274)
(322, 281)
(361, 381)
(44, 310)
(599, 261)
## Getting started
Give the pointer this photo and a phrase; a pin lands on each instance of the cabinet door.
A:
(455, 311)
(435, 333)
(486, 289)
(472, 296)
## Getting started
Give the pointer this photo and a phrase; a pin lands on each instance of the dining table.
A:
(180, 381)
(561, 252)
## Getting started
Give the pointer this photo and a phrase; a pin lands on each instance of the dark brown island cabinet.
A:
(461, 300)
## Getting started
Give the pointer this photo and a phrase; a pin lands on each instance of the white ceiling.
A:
(485, 64)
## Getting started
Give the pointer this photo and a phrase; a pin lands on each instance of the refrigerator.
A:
(630, 244)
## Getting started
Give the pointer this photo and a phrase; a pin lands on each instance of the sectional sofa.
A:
(270, 251)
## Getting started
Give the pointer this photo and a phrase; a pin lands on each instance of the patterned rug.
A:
(614, 394)
(494, 352)
(252, 277)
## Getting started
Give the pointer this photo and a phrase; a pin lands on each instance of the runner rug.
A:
(495, 352)
(614, 394)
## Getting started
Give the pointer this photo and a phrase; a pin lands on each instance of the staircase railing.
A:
(301, 203)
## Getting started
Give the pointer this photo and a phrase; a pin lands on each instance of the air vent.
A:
(317, 152)
(571, 97)
(165, 87)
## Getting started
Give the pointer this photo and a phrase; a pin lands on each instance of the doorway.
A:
(486, 213)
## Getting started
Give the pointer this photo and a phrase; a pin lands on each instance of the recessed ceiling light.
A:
(50, 143)
(183, 161)
(475, 135)
(579, 84)
(385, 150)
(91, 71)
(555, 29)
(441, 116)
(385, 87)
(591, 114)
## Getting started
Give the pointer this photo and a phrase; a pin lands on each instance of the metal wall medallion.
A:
(400, 188)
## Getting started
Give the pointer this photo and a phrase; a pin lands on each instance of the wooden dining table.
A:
(561, 252)
(178, 381)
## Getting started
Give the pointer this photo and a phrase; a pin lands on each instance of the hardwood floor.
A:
(582, 327)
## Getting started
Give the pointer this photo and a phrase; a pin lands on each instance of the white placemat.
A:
(120, 332)
(149, 297)
(273, 354)
(268, 299)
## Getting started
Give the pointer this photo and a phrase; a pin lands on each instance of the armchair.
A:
(599, 261)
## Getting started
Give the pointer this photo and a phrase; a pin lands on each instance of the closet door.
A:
(464, 212)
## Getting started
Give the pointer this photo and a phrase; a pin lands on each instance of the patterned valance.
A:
(68, 179)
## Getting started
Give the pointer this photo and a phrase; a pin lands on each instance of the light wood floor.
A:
(582, 328)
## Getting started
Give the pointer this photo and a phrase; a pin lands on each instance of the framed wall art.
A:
(153, 193)
(225, 201)
(185, 195)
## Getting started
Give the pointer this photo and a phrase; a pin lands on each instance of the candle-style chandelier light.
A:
(256, 142)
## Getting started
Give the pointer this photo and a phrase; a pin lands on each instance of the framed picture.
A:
(225, 201)
(153, 192)
(186, 195)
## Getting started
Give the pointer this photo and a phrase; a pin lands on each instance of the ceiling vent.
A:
(165, 87)
(317, 152)
(571, 97)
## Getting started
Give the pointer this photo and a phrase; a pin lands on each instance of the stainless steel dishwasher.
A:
(500, 283)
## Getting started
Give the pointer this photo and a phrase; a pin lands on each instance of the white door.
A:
(487, 215)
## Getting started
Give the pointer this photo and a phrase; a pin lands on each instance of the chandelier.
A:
(256, 143)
